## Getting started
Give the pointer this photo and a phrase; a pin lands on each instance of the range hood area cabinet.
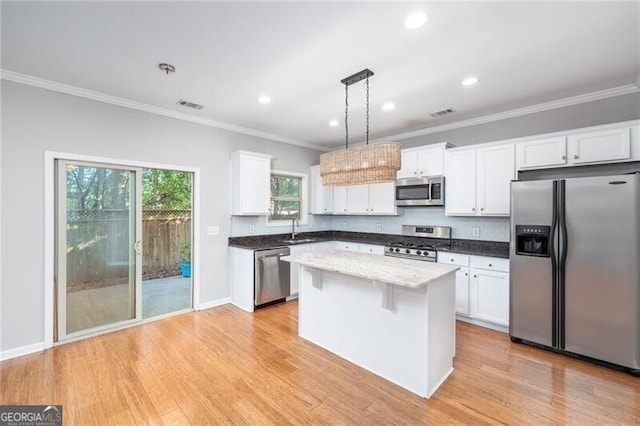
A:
(250, 183)
(423, 161)
(477, 180)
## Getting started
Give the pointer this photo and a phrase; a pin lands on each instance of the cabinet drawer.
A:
(491, 263)
(457, 259)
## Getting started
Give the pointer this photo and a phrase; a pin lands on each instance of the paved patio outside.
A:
(90, 308)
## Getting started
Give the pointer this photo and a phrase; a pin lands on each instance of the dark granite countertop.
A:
(473, 247)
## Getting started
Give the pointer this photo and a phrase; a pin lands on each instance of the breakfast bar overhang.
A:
(394, 317)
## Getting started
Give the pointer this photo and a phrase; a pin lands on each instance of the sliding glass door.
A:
(98, 238)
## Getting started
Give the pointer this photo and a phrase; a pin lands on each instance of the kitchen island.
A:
(394, 317)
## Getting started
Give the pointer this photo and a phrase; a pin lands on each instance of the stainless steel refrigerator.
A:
(575, 273)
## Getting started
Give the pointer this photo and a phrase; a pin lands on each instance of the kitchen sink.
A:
(300, 241)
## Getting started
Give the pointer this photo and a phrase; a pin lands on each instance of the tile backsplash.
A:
(490, 228)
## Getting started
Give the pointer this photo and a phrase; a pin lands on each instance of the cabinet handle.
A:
(564, 157)
(575, 157)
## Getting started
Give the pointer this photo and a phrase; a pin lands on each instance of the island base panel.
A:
(410, 343)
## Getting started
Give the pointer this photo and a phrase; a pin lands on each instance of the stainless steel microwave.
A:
(417, 192)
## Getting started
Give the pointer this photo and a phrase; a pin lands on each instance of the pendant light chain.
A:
(367, 110)
(346, 115)
(363, 164)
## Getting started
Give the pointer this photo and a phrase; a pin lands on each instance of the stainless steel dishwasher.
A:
(272, 276)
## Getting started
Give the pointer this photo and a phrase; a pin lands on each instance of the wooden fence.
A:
(98, 244)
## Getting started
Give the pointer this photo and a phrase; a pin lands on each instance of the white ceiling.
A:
(228, 53)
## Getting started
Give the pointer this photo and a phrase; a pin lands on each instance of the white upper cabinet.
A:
(603, 146)
(460, 183)
(250, 179)
(321, 196)
(477, 181)
(358, 199)
(422, 161)
(374, 199)
(382, 198)
(542, 153)
(606, 144)
(495, 171)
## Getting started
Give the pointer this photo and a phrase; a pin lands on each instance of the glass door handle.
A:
(137, 247)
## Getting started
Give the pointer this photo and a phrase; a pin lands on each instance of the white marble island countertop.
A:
(393, 270)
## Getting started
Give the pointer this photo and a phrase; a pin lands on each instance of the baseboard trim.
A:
(213, 303)
(21, 351)
(496, 327)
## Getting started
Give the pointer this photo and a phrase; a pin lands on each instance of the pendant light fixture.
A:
(363, 164)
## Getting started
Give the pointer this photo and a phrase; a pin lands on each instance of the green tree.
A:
(166, 190)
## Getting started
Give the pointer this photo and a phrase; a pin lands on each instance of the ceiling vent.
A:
(188, 104)
(443, 112)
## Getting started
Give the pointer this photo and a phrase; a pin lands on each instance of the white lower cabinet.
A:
(462, 278)
(343, 245)
(241, 278)
(489, 289)
(371, 248)
(482, 288)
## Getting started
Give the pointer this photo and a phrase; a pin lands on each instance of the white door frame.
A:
(50, 158)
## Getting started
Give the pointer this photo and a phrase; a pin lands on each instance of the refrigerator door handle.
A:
(554, 265)
(563, 260)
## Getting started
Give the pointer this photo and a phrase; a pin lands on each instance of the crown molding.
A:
(126, 103)
(547, 106)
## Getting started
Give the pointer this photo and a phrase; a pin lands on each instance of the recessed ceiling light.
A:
(263, 99)
(415, 20)
(333, 123)
(388, 106)
(470, 81)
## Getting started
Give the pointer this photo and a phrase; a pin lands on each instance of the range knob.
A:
(390, 248)
(407, 251)
(418, 252)
(397, 250)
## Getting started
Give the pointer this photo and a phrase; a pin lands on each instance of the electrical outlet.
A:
(252, 229)
(476, 232)
(378, 227)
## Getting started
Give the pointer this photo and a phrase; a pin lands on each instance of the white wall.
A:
(36, 120)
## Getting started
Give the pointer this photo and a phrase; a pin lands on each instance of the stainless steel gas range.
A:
(424, 245)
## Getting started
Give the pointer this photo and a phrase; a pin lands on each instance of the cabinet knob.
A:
(366, 210)
(415, 173)
(371, 210)
(473, 209)
(490, 265)
(466, 274)
(345, 210)
(564, 157)
(475, 276)
(575, 157)
(421, 172)
(452, 260)
(481, 209)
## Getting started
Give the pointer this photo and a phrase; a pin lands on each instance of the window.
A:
(286, 200)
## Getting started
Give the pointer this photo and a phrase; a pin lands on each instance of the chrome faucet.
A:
(293, 228)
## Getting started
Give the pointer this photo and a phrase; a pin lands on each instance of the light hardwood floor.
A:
(223, 365)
